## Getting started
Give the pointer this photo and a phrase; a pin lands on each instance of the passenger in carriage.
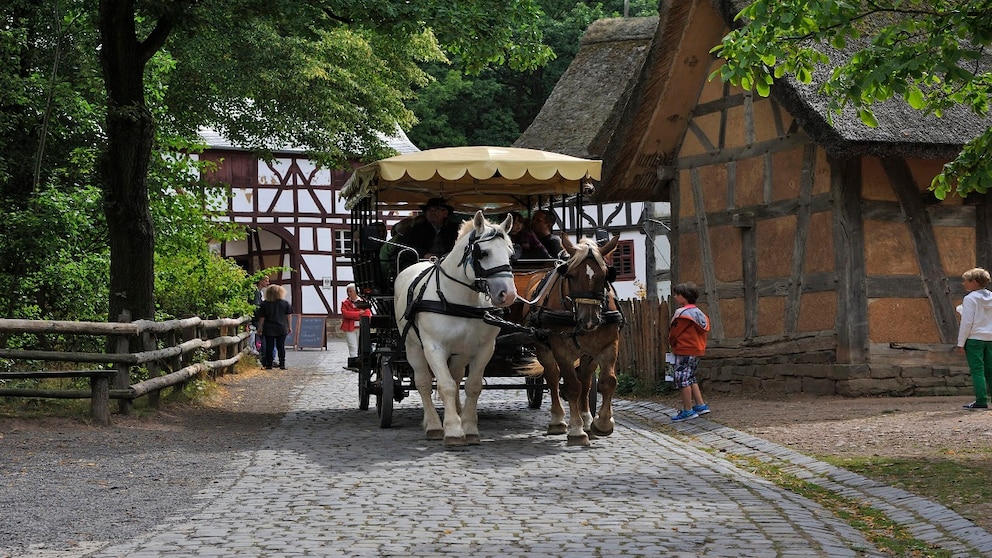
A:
(389, 250)
(541, 223)
(526, 245)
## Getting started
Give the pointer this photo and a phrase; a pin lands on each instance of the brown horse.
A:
(575, 307)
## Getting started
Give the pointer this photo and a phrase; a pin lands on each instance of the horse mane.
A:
(583, 248)
(468, 226)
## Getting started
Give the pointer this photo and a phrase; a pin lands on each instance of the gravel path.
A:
(63, 481)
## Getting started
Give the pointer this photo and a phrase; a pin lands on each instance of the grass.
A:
(958, 481)
(886, 535)
(955, 482)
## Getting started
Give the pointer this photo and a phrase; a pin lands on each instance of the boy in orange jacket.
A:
(687, 341)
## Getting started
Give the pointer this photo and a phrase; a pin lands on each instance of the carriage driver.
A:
(435, 235)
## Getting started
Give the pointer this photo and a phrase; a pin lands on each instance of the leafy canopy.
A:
(934, 54)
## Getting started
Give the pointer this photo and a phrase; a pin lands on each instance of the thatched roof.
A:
(617, 89)
(580, 116)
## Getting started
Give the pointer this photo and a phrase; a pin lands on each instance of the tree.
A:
(931, 53)
(330, 75)
(459, 107)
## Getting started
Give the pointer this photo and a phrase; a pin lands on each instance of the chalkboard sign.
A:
(291, 337)
(312, 332)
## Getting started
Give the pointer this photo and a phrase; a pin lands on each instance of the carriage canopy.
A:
(469, 178)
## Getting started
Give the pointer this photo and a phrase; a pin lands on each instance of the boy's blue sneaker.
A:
(684, 414)
(701, 409)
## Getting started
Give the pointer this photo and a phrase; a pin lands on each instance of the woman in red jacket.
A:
(687, 341)
(350, 314)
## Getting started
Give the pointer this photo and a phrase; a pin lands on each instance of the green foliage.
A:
(629, 385)
(54, 257)
(932, 54)
(494, 106)
(201, 284)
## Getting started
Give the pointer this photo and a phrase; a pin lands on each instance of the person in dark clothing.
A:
(435, 235)
(273, 320)
(526, 245)
(541, 222)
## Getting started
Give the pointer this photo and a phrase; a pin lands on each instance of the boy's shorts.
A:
(684, 373)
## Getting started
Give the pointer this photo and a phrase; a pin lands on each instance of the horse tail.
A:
(531, 368)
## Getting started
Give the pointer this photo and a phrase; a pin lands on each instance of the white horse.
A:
(439, 308)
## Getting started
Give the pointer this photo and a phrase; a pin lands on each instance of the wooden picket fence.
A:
(644, 340)
(172, 352)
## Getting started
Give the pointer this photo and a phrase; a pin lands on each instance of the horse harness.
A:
(544, 317)
(473, 254)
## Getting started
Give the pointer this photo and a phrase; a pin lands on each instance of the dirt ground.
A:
(885, 427)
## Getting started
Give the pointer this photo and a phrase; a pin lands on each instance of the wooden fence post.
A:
(100, 399)
(150, 342)
(185, 359)
(222, 350)
(123, 378)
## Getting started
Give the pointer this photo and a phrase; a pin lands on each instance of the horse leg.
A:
(447, 388)
(552, 376)
(423, 378)
(577, 435)
(473, 388)
(603, 423)
(586, 373)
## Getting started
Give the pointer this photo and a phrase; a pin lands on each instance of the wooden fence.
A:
(644, 340)
(172, 352)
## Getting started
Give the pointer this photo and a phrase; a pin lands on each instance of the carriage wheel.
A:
(365, 361)
(384, 404)
(535, 392)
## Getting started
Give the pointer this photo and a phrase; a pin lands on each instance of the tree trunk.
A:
(124, 164)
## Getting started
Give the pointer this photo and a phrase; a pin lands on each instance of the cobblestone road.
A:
(330, 482)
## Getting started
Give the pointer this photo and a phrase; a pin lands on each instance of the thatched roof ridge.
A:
(902, 130)
(580, 116)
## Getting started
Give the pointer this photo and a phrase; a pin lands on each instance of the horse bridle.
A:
(589, 298)
(475, 254)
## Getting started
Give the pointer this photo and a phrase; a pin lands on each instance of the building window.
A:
(342, 241)
(623, 260)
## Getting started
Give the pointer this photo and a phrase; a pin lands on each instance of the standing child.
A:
(687, 341)
(975, 333)
(273, 321)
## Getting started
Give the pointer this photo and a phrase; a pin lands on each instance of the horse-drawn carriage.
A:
(436, 320)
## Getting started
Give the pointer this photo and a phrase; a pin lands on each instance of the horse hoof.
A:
(435, 434)
(472, 440)
(555, 429)
(452, 441)
(599, 432)
(578, 440)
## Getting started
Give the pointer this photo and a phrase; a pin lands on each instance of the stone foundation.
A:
(916, 372)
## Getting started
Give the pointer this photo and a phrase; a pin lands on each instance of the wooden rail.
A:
(173, 352)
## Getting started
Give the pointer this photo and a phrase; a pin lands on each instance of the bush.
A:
(202, 284)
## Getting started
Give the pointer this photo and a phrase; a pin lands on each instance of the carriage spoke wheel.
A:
(535, 392)
(364, 362)
(384, 403)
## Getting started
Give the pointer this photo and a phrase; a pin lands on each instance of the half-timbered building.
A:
(823, 260)
(294, 219)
